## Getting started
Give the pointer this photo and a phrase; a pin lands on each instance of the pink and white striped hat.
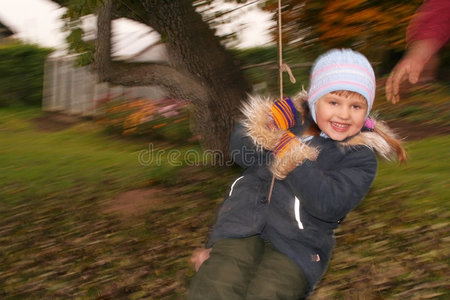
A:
(341, 69)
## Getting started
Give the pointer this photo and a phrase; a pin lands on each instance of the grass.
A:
(37, 163)
(424, 179)
(58, 241)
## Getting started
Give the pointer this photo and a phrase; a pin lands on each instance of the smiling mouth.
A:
(339, 126)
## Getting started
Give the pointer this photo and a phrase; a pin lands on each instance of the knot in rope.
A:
(285, 68)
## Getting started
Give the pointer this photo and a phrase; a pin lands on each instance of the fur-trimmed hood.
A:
(257, 122)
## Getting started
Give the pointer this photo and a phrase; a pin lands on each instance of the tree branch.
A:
(178, 84)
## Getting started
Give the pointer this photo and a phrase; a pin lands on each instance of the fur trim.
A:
(299, 99)
(293, 157)
(258, 125)
(375, 141)
(258, 122)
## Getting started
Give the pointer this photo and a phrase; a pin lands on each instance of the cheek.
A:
(322, 113)
(321, 117)
(359, 120)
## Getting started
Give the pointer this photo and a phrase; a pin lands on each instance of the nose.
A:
(344, 112)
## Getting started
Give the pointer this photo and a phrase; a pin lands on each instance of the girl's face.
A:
(341, 116)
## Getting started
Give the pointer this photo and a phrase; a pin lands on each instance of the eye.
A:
(331, 102)
(357, 106)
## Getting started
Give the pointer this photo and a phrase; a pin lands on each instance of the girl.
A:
(273, 239)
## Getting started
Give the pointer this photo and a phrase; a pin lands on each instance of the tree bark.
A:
(200, 70)
(103, 43)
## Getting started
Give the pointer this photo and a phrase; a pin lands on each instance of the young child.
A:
(273, 240)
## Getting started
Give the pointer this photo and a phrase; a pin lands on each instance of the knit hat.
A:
(341, 69)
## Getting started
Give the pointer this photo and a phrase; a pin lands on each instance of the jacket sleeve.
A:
(431, 21)
(244, 152)
(330, 194)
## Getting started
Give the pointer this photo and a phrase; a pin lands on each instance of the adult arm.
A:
(427, 32)
(431, 22)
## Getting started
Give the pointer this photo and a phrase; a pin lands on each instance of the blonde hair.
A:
(395, 144)
(344, 93)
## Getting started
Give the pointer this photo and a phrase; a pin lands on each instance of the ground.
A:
(134, 203)
(147, 234)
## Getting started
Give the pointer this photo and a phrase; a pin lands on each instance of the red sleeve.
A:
(431, 21)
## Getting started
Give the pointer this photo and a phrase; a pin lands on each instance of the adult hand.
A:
(289, 153)
(410, 67)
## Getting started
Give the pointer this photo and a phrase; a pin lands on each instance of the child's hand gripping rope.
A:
(283, 114)
(289, 153)
(267, 124)
(266, 121)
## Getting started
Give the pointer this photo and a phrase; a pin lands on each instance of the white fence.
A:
(76, 91)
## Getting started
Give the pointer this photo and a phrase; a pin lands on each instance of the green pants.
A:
(248, 268)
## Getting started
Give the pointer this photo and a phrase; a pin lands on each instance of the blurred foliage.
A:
(76, 9)
(365, 25)
(78, 45)
(21, 73)
(360, 24)
(443, 73)
(164, 119)
(376, 28)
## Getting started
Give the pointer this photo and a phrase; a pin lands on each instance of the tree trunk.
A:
(201, 70)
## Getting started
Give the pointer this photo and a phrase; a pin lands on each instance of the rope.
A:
(271, 189)
(280, 50)
(282, 67)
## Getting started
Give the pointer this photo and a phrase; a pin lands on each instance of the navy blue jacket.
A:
(304, 208)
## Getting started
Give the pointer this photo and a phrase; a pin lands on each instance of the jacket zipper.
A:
(232, 186)
(297, 213)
